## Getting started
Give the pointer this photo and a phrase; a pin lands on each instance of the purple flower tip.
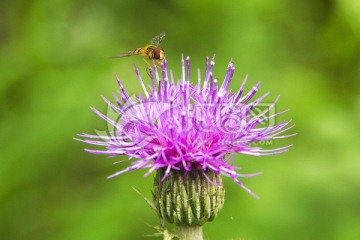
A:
(186, 126)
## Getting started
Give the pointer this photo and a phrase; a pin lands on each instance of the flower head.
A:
(186, 126)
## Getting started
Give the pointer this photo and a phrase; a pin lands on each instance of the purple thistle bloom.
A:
(187, 126)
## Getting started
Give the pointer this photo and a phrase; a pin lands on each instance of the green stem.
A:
(190, 233)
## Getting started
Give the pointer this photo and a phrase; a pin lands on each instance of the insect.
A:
(153, 51)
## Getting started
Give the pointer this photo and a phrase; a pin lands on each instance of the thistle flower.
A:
(184, 128)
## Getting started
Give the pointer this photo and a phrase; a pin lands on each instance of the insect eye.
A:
(157, 54)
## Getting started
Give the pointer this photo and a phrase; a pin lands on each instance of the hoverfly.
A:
(153, 51)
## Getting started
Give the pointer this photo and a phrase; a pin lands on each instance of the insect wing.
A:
(123, 55)
(158, 39)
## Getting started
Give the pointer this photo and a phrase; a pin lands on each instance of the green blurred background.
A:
(54, 64)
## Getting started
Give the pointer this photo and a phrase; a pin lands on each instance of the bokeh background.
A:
(54, 64)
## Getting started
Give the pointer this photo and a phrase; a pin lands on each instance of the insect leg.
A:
(148, 66)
